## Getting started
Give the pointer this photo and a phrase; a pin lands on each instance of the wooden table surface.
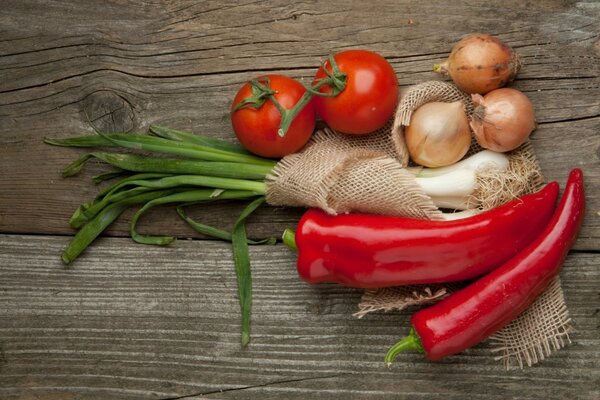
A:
(139, 322)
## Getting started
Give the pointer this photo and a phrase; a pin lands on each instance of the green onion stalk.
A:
(168, 166)
(198, 169)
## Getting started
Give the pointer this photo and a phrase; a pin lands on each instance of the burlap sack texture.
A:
(340, 174)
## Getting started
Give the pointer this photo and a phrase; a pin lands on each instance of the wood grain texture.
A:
(131, 322)
(127, 66)
(137, 322)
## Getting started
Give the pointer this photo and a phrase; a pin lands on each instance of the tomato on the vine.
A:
(257, 124)
(369, 97)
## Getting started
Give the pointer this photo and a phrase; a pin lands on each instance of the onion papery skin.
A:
(438, 134)
(503, 119)
(480, 63)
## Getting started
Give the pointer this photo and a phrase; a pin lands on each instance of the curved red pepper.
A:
(373, 251)
(472, 314)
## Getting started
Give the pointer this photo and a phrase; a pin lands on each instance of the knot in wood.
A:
(108, 111)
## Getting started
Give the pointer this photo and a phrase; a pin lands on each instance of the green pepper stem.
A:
(289, 239)
(410, 342)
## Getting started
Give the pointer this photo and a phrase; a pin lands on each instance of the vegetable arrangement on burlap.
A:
(407, 206)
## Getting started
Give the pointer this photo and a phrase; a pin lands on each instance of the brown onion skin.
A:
(438, 134)
(480, 63)
(503, 119)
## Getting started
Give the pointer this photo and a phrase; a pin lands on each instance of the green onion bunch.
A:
(196, 170)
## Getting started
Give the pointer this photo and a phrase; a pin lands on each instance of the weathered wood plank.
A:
(180, 65)
(132, 321)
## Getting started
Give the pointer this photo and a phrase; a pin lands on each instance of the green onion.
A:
(138, 163)
(241, 258)
(478, 161)
(87, 211)
(201, 180)
(218, 233)
(90, 231)
(161, 145)
(201, 195)
(187, 137)
(205, 169)
(455, 186)
(82, 141)
(130, 178)
(105, 176)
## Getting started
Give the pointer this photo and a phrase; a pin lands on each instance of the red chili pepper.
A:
(475, 312)
(373, 251)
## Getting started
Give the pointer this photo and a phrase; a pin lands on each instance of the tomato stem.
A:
(288, 116)
(336, 79)
(261, 91)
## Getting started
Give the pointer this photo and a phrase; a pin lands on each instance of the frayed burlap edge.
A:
(320, 174)
(538, 332)
(544, 327)
(524, 176)
(399, 297)
(525, 341)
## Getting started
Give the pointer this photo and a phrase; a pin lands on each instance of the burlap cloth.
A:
(340, 173)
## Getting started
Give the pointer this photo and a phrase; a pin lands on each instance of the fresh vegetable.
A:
(479, 161)
(207, 170)
(503, 119)
(362, 95)
(211, 171)
(374, 251)
(459, 184)
(452, 216)
(456, 186)
(480, 63)
(274, 115)
(232, 174)
(239, 243)
(465, 318)
(191, 149)
(438, 134)
(262, 118)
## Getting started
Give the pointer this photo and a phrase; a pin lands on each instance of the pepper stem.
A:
(410, 342)
(289, 239)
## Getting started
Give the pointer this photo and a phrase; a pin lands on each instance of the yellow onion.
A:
(438, 134)
(480, 63)
(503, 119)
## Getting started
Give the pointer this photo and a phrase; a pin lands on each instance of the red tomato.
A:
(369, 98)
(256, 129)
